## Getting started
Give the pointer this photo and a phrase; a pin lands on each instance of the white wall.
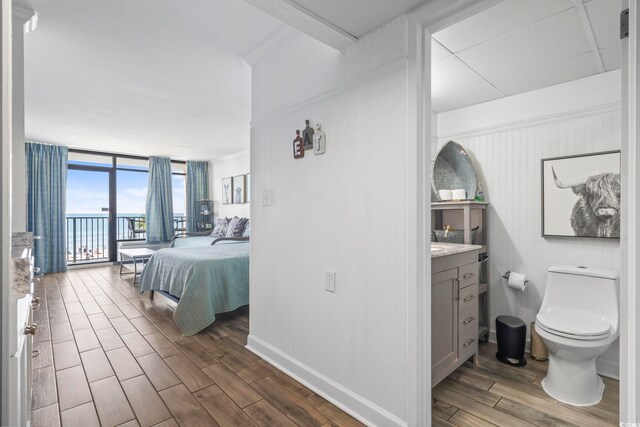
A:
(344, 211)
(507, 155)
(18, 162)
(219, 169)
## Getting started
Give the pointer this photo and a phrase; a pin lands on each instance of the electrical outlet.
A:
(330, 281)
(266, 197)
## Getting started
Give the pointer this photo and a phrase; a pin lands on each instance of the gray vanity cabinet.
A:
(454, 312)
(444, 320)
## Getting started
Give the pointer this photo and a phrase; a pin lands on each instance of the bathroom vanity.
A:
(23, 302)
(454, 307)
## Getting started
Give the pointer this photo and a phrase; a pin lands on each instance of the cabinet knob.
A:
(31, 330)
(468, 343)
(468, 320)
(35, 303)
(469, 298)
(36, 280)
(36, 270)
(468, 275)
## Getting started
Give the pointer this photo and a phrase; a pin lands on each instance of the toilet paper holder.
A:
(508, 274)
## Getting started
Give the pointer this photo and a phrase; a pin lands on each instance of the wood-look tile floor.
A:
(492, 393)
(109, 356)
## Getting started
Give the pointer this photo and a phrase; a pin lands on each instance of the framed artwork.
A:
(248, 187)
(239, 189)
(227, 189)
(581, 196)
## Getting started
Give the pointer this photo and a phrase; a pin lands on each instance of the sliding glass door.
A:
(106, 197)
(89, 219)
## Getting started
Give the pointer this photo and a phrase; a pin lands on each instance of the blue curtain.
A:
(159, 207)
(46, 204)
(197, 189)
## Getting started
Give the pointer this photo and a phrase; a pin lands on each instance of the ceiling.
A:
(116, 76)
(161, 77)
(521, 45)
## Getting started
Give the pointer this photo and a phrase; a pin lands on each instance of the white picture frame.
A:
(239, 189)
(227, 191)
(581, 196)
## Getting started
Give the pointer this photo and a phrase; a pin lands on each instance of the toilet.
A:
(578, 321)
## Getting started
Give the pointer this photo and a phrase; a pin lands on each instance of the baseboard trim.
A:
(606, 368)
(353, 404)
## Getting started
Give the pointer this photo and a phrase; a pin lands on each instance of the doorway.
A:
(427, 22)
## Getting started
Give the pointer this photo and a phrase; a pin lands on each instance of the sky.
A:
(88, 192)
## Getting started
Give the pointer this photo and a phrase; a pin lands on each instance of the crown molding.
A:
(230, 156)
(273, 42)
(20, 14)
(300, 18)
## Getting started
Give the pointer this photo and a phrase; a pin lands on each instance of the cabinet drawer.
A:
(468, 298)
(468, 275)
(468, 340)
(467, 317)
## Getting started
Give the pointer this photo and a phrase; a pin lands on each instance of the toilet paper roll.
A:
(517, 281)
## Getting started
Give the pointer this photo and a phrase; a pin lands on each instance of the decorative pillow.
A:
(236, 226)
(247, 229)
(221, 227)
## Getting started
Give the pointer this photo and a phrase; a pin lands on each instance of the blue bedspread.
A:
(207, 279)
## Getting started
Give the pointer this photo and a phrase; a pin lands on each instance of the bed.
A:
(204, 279)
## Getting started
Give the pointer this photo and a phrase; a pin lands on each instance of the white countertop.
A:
(444, 249)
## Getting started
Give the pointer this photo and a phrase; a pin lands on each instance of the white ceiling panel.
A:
(605, 22)
(498, 20)
(548, 41)
(358, 17)
(522, 45)
(450, 75)
(438, 52)
(474, 95)
(611, 57)
(548, 75)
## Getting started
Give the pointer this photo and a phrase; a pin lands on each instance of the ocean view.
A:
(88, 233)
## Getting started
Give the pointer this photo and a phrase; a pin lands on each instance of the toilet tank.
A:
(583, 288)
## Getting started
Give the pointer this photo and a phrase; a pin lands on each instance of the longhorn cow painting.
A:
(581, 196)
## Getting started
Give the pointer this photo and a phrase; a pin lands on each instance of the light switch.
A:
(266, 197)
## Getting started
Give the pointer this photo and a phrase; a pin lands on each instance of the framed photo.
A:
(227, 191)
(248, 187)
(239, 189)
(581, 196)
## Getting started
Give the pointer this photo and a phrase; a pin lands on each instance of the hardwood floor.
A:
(109, 356)
(492, 393)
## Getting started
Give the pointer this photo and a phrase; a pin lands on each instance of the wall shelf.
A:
(466, 215)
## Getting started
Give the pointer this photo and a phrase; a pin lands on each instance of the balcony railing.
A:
(88, 236)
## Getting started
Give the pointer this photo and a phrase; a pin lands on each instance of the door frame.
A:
(5, 200)
(113, 212)
(423, 22)
(630, 221)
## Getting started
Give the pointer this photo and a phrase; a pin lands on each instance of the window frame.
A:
(113, 186)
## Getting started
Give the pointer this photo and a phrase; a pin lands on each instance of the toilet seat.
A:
(575, 324)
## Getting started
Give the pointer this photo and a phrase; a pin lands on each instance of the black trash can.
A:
(511, 334)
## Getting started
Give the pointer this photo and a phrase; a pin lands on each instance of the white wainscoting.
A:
(345, 211)
(508, 163)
